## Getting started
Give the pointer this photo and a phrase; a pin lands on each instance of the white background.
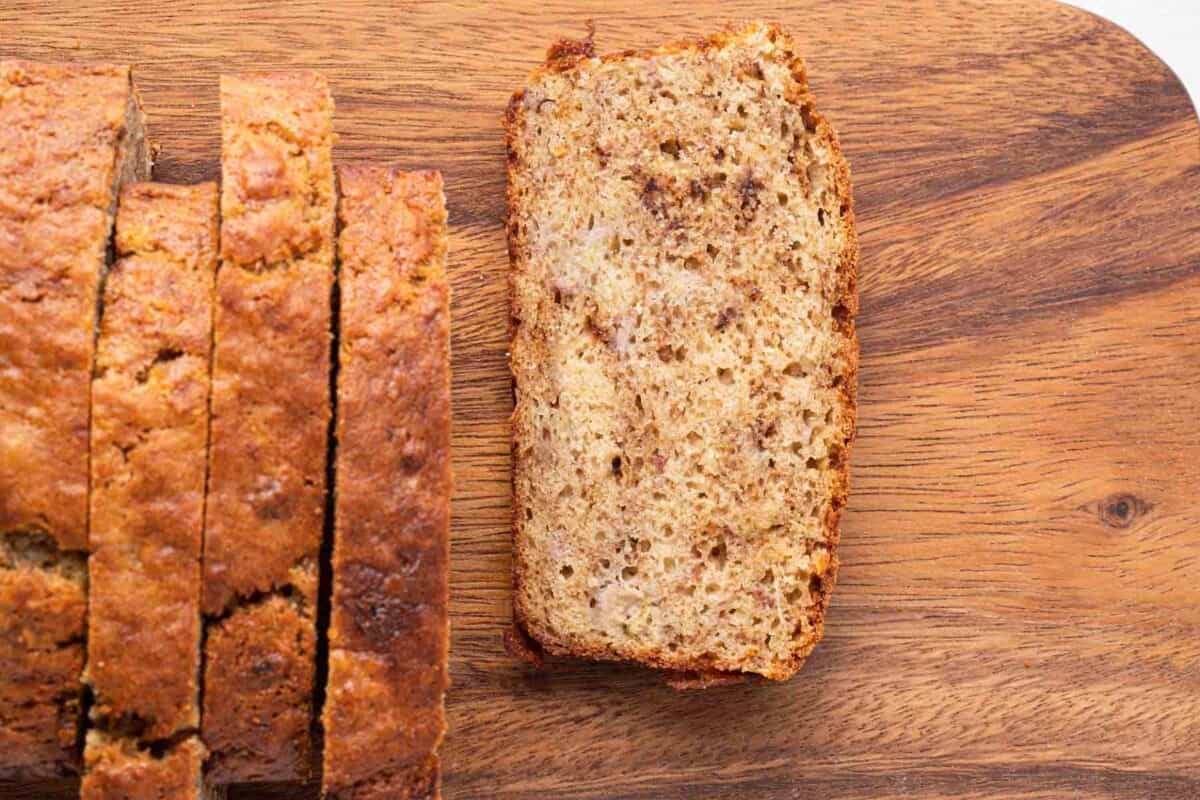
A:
(1171, 28)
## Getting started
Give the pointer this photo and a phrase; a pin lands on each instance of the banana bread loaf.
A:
(149, 457)
(270, 423)
(388, 631)
(683, 290)
(69, 136)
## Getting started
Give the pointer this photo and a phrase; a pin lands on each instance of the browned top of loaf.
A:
(388, 635)
(271, 368)
(276, 135)
(43, 605)
(55, 196)
(118, 770)
(149, 437)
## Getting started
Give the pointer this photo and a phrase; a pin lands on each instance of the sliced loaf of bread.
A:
(683, 298)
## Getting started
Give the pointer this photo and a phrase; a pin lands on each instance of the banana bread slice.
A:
(270, 424)
(683, 296)
(388, 631)
(149, 457)
(69, 136)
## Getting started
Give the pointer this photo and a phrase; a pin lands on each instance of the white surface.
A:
(1171, 28)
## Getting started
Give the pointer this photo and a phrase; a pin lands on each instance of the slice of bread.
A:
(265, 507)
(148, 461)
(70, 135)
(683, 297)
(384, 714)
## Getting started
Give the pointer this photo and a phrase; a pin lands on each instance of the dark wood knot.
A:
(1122, 509)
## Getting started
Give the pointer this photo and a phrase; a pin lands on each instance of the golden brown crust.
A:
(56, 194)
(55, 201)
(271, 371)
(149, 438)
(270, 406)
(579, 55)
(118, 770)
(388, 632)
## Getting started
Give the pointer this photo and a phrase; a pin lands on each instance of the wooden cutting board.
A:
(1018, 611)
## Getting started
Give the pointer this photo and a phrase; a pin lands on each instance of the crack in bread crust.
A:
(663, 194)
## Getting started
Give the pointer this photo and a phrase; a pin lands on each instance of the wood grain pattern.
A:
(1018, 613)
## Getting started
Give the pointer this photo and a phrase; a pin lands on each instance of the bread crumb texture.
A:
(683, 293)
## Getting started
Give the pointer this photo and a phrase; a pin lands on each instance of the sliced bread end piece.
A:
(683, 293)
